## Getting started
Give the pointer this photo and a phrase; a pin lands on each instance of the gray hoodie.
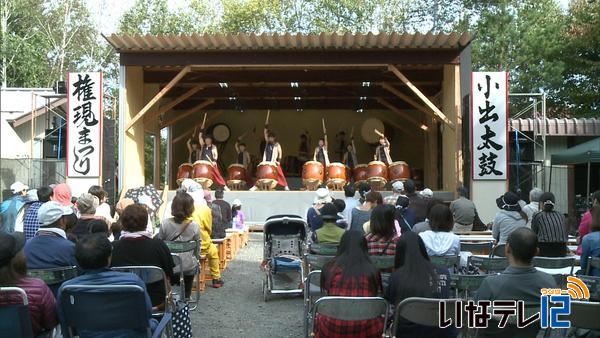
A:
(506, 222)
(441, 243)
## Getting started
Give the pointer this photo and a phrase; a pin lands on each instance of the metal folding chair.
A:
(54, 276)
(489, 264)
(593, 262)
(123, 307)
(312, 291)
(445, 261)
(593, 284)
(383, 262)
(316, 262)
(477, 247)
(323, 249)
(350, 308)
(554, 263)
(466, 284)
(422, 311)
(194, 247)
(511, 329)
(498, 251)
(14, 318)
(584, 315)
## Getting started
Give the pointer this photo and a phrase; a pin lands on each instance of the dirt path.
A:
(238, 309)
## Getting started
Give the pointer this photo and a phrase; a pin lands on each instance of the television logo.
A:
(557, 302)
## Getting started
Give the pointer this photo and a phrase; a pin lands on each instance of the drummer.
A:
(321, 155)
(382, 152)
(210, 153)
(243, 157)
(193, 150)
(350, 159)
(273, 153)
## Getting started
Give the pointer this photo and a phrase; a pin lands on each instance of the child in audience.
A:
(382, 238)
(239, 218)
(415, 276)
(350, 273)
(440, 240)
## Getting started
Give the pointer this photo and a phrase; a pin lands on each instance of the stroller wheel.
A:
(265, 291)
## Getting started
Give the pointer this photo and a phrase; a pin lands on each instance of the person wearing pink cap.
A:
(62, 194)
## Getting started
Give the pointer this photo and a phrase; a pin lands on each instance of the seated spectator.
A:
(340, 205)
(549, 226)
(424, 226)
(520, 281)
(586, 221)
(182, 228)
(13, 272)
(329, 233)
(137, 247)
(509, 218)
(10, 207)
(382, 238)
(87, 204)
(412, 270)
(350, 201)
(312, 215)
(404, 216)
(362, 213)
(61, 193)
(93, 253)
(30, 198)
(397, 191)
(30, 223)
(218, 226)
(103, 209)
(350, 273)
(426, 194)
(363, 189)
(591, 243)
(225, 208)
(117, 227)
(239, 218)
(440, 240)
(417, 204)
(534, 204)
(463, 210)
(50, 247)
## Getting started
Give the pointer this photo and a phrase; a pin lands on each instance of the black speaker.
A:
(108, 158)
(60, 87)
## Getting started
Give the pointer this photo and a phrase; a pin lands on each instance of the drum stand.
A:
(377, 183)
(236, 185)
(266, 184)
(311, 184)
(206, 183)
(336, 184)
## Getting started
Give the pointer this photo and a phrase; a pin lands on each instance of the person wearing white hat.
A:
(426, 193)
(239, 218)
(313, 218)
(9, 209)
(397, 191)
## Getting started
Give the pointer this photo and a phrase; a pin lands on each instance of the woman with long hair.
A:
(415, 276)
(549, 226)
(362, 213)
(440, 240)
(585, 225)
(350, 273)
(382, 238)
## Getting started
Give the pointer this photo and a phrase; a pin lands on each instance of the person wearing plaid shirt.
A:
(352, 274)
(382, 238)
(30, 221)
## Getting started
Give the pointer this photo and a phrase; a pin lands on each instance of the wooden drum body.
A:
(360, 173)
(236, 177)
(185, 170)
(203, 173)
(377, 173)
(266, 176)
(399, 171)
(336, 176)
(313, 175)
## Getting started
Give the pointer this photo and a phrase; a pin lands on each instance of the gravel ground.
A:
(238, 309)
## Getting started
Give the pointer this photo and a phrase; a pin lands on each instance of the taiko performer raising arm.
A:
(382, 152)
(243, 155)
(193, 148)
(274, 153)
(321, 154)
(210, 153)
(350, 158)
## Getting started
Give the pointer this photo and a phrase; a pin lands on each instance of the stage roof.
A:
(582, 153)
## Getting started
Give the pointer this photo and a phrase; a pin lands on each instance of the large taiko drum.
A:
(266, 175)
(203, 173)
(236, 177)
(313, 174)
(360, 173)
(399, 171)
(336, 176)
(377, 173)
(185, 170)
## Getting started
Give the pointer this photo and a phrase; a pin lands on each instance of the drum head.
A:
(336, 164)
(220, 132)
(397, 163)
(360, 166)
(202, 162)
(313, 163)
(367, 130)
(376, 163)
(236, 165)
(185, 165)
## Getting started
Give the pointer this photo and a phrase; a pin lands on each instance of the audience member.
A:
(520, 281)
(463, 210)
(415, 276)
(534, 204)
(218, 225)
(404, 216)
(426, 194)
(351, 202)
(87, 204)
(549, 226)
(362, 213)
(509, 218)
(11, 207)
(424, 226)
(137, 247)
(341, 222)
(586, 220)
(350, 273)
(103, 209)
(417, 204)
(62, 194)
(225, 208)
(31, 223)
(239, 218)
(329, 233)
(30, 198)
(382, 237)
(93, 254)
(590, 246)
(363, 189)
(50, 248)
(440, 241)
(117, 227)
(13, 272)
(146, 201)
(182, 228)
(313, 215)
(397, 191)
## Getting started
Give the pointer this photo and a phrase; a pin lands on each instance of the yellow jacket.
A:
(203, 216)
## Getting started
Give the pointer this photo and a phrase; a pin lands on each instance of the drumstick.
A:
(378, 133)
(204, 121)
(268, 113)
(324, 130)
(352, 132)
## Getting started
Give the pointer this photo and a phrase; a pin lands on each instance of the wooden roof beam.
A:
(157, 97)
(406, 98)
(171, 104)
(438, 113)
(188, 112)
(186, 133)
(399, 112)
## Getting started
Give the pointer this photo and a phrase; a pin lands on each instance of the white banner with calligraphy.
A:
(489, 123)
(84, 124)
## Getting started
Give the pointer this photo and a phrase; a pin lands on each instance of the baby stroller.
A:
(284, 242)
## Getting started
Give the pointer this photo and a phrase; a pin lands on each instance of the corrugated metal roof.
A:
(211, 42)
(559, 127)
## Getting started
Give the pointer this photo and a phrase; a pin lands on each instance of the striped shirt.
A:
(549, 227)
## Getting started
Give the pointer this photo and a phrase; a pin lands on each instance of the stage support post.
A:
(132, 162)
(452, 156)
